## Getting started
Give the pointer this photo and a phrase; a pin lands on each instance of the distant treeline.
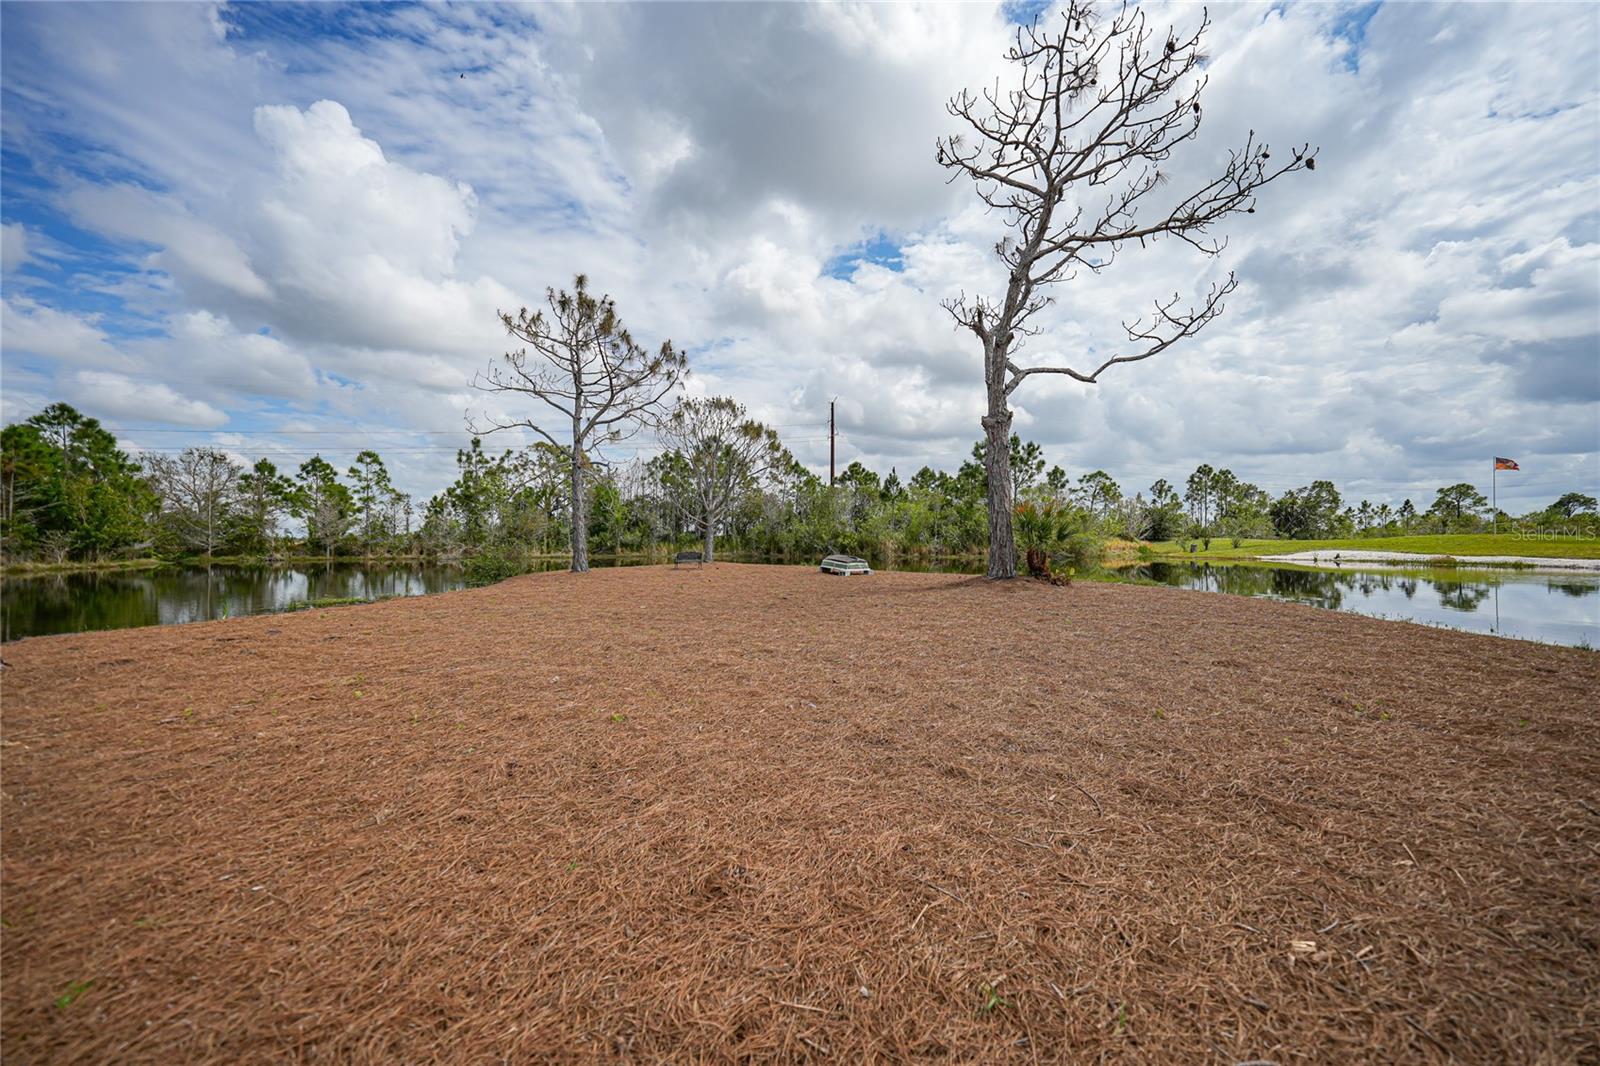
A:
(69, 492)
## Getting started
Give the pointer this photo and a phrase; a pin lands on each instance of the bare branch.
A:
(1099, 104)
(1166, 328)
(1075, 157)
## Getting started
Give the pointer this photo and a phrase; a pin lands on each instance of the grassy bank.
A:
(25, 568)
(114, 565)
(1460, 546)
(742, 813)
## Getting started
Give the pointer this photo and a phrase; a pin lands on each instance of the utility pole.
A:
(830, 442)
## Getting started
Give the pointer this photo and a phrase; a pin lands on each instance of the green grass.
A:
(327, 601)
(992, 999)
(15, 568)
(74, 990)
(1457, 545)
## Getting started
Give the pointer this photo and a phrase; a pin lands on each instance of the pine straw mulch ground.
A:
(758, 813)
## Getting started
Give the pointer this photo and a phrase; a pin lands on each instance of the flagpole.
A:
(1494, 491)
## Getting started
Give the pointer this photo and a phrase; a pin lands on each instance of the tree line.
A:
(723, 482)
(69, 491)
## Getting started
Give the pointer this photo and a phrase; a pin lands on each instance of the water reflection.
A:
(1557, 609)
(70, 603)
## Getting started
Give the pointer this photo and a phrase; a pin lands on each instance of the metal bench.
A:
(688, 557)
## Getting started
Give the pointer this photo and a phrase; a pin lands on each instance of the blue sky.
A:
(285, 229)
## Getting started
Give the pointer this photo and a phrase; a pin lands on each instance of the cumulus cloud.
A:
(338, 188)
(832, 109)
(118, 396)
(363, 249)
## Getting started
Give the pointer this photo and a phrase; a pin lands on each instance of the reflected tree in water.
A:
(1461, 596)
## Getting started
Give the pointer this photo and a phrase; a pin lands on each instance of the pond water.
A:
(1550, 607)
(36, 605)
(1555, 608)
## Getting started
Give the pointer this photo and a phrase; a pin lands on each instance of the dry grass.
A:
(758, 813)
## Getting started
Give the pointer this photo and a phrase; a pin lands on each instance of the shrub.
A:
(1080, 552)
(492, 566)
(1163, 523)
(1058, 541)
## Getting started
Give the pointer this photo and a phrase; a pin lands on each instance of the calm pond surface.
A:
(37, 605)
(1555, 608)
(1549, 607)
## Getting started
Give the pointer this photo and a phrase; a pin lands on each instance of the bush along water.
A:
(1057, 541)
(492, 566)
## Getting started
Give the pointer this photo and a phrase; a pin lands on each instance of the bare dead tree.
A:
(1071, 158)
(199, 489)
(587, 368)
(725, 456)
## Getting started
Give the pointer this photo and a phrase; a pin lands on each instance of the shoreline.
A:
(1341, 556)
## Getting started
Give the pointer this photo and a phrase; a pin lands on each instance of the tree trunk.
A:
(997, 465)
(580, 517)
(708, 536)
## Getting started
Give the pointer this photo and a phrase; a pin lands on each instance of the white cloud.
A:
(198, 254)
(338, 199)
(120, 397)
(208, 350)
(13, 247)
(31, 328)
(363, 250)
